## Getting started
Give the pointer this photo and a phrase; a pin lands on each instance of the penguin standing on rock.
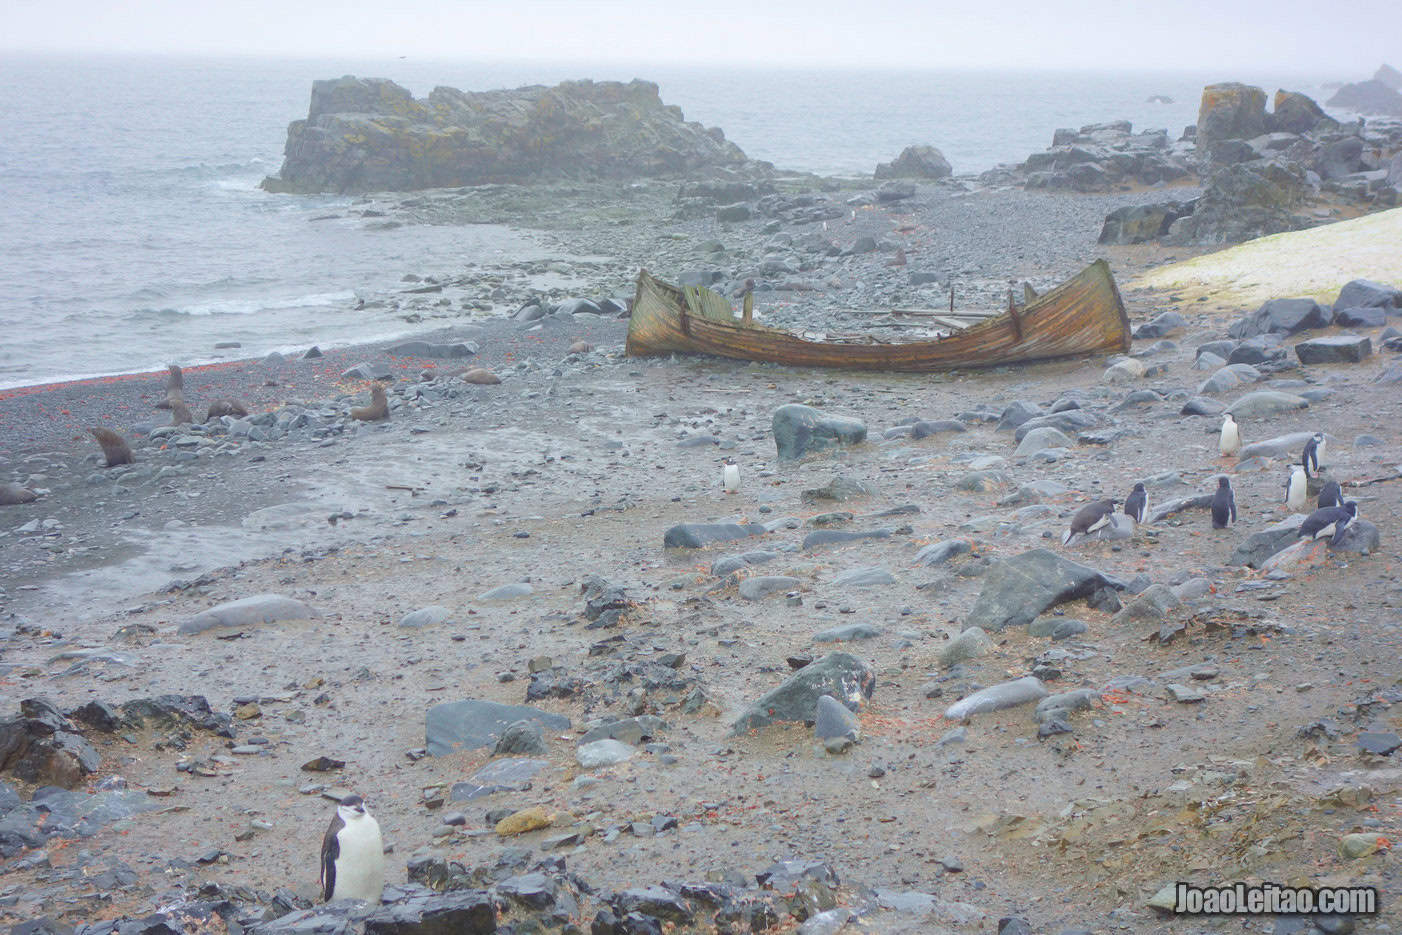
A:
(1296, 490)
(1331, 495)
(1329, 522)
(1229, 441)
(730, 476)
(1089, 519)
(1137, 503)
(352, 854)
(1313, 455)
(1223, 505)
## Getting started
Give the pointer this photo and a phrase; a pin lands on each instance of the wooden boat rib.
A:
(1084, 315)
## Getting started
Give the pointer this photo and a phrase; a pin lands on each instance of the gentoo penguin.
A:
(1137, 503)
(730, 476)
(1089, 518)
(1329, 522)
(352, 854)
(1331, 495)
(1296, 490)
(1223, 505)
(1313, 455)
(1229, 442)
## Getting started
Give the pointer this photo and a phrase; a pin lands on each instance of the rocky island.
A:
(370, 134)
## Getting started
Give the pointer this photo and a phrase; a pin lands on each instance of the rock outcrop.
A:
(1368, 97)
(916, 162)
(370, 134)
(1101, 157)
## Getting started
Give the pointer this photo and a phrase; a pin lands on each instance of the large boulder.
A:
(916, 162)
(841, 675)
(372, 135)
(1017, 589)
(799, 429)
(1142, 223)
(1334, 349)
(1340, 158)
(1297, 113)
(43, 747)
(1364, 293)
(1283, 316)
(1259, 546)
(1230, 111)
(1368, 97)
(1242, 202)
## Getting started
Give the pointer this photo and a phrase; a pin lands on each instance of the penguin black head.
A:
(1224, 482)
(353, 802)
(1352, 507)
(1139, 486)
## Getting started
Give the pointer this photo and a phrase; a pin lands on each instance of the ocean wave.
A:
(247, 306)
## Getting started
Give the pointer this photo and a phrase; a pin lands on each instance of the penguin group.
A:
(1329, 519)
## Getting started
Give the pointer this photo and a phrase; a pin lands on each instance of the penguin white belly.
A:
(1296, 494)
(360, 866)
(1230, 442)
(730, 477)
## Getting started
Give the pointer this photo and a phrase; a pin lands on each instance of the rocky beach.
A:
(583, 688)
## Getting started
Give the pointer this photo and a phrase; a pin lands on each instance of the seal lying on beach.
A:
(378, 408)
(175, 389)
(14, 494)
(226, 407)
(114, 447)
(480, 376)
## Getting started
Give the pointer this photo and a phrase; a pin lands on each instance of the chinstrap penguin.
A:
(1329, 522)
(730, 476)
(1331, 495)
(352, 854)
(1313, 455)
(1229, 440)
(1137, 503)
(1223, 505)
(1089, 518)
(1296, 490)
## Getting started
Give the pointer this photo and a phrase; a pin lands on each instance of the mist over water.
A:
(133, 233)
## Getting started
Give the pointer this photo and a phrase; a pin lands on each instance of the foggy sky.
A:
(1350, 38)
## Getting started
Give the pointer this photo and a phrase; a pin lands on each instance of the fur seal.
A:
(14, 494)
(480, 376)
(175, 389)
(180, 413)
(581, 347)
(226, 407)
(114, 447)
(378, 408)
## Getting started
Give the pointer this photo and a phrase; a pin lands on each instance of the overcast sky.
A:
(1350, 38)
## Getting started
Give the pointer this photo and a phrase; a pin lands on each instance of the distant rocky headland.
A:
(370, 134)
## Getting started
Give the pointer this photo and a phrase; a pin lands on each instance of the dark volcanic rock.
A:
(1334, 349)
(1283, 316)
(1017, 589)
(371, 135)
(916, 162)
(1242, 202)
(1297, 113)
(43, 747)
(799, 429)
(459, 912)
(1364, 293)
(841, 675)
(1368, 97)
(1259, 546)
(1142, 223)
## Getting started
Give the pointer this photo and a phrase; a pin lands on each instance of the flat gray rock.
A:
(1044, 437)
(700, 535)
(1334, 349)
(970, 644)
(512, 774)
(605, 752)
(630, 730)
(472, 724)
(864, 577)
(846, 632)
(761, 586)
(726, 564)
(507, 592)
(937, 553)
(249, 611)
(1262, 544)
(425, 617)
(1079, 699)
(1021, 691)
(1263, 403)
(841, 536)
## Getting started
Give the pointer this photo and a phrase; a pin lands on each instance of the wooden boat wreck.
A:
(1083, 315)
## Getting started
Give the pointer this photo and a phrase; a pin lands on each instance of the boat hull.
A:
(1084, 315)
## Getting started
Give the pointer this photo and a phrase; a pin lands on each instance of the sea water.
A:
(133, 232)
